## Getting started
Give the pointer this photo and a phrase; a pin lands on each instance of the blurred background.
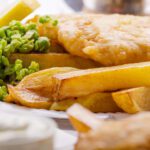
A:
(116, 6)
(141, 7)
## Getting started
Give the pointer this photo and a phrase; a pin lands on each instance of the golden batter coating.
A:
(128, 134)
(107, 39)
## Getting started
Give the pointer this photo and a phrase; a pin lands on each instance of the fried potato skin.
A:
(82, 119)
(35, 89)
(84, 82)
(50, 60)
(107, 39)
(97, 102)
(133, 100)
(27, 98)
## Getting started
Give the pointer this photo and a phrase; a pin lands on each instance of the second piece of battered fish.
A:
(127, 134)
(107, 39)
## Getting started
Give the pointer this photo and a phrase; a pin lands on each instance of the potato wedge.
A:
(54, 60)
(42, 78)
(82, 119)
(28, 98)
(84, 82)
(133, 100)
(35, 89)
(97, 102)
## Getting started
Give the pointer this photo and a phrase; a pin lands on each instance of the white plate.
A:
(60, 117)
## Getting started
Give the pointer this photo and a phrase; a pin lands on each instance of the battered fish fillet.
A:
(127, 134)
(107, 39)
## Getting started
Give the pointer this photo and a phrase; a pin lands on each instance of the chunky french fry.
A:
(42, 78)
(35, 89)
(84, 82)
(55, 60)
(28, 98)
(133, 100)
(97, 102)
(82, 119)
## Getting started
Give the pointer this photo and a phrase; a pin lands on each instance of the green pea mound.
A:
(20, 38)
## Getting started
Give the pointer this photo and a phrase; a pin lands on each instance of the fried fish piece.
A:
(107, 39)
(131, 133)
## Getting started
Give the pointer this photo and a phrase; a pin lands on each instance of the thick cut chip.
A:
(55, 60)
(82, 119)
(84, 82)
(133, 100)
(28, 98)
(43, 78)
(35, 89)
(98, 102)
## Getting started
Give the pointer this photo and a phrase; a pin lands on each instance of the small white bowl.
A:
(26, 132)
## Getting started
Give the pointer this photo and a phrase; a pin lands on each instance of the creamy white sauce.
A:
(19, 130)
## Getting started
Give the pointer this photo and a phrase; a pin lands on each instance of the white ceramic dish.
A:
(24, 131)
(67, 138)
